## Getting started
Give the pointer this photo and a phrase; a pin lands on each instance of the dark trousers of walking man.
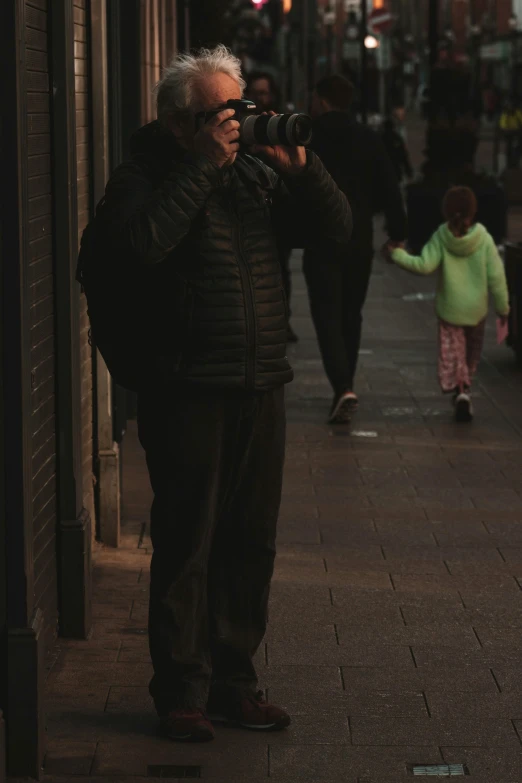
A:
(337, 291)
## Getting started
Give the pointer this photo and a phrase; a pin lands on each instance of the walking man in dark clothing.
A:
(200, 219)
(355, 157)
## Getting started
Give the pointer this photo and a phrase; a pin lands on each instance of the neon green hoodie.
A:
(468, 266)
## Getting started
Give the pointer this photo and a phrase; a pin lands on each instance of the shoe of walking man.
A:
(357, 160)
(200, 219)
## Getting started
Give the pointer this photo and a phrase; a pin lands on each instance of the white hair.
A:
(175, 89)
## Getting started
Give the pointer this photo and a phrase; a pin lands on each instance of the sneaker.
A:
(463, 408)
(343, 407)
(291, 336)
(187, 726)
(253, 712)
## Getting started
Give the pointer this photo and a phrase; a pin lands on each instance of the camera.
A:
(289, 130)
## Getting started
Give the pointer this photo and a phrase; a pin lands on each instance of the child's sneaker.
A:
(463, 407)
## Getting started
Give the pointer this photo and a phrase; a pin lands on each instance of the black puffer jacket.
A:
(205, 240)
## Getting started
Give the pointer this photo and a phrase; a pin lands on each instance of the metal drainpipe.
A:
(186, 25)
(364, 62)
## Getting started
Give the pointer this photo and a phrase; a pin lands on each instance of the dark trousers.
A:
(215, 463)
(337, 291)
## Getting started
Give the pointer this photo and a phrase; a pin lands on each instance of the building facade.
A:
(77, 77)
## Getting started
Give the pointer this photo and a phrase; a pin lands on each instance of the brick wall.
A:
(81, 68)
(40, 207)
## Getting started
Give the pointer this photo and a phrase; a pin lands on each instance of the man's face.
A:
(318, 107)
(209, 94)
(260, 92)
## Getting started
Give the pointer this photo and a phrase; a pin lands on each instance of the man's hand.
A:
(388, 247)
(218, 138)
(285, 160)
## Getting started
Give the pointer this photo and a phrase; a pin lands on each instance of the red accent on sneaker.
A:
(255, 713)
(187, 726)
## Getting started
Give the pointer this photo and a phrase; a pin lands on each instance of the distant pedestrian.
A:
(261, 87)
(356, 158)
(397, 150)
(510, 125)
(398, 117)
(490, 102)
(469, 265)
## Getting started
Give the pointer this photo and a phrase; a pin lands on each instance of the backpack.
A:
(116, 289)
(111, 290)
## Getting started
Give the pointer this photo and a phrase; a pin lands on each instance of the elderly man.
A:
(204, 219)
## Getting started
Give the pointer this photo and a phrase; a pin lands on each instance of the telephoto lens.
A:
(289, 130)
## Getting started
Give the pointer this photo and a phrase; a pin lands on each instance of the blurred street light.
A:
(371, 42)
(449, 35)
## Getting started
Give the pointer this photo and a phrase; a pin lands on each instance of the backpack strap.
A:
(255, 173)
(86, 244)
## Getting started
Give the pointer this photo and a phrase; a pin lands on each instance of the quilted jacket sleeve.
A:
(310, 207)
(151, 221)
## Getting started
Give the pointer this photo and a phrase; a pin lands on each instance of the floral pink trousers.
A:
(460, 349)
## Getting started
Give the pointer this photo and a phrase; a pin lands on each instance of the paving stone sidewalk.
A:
(396, 611)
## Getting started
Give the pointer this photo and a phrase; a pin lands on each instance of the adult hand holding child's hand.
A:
(388, 247)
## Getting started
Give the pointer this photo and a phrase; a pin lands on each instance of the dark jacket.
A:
(205, 240)
(357, 160)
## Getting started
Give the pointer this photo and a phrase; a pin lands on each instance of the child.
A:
(469, 265)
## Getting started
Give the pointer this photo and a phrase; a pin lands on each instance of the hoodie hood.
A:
(462, 246)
